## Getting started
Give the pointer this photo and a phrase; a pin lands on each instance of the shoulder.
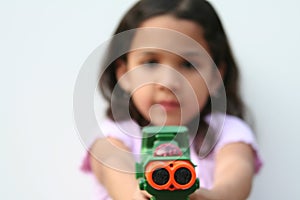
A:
(124, 134)
(231, 129)
(109, 126)
(125, 131)
(226, 121)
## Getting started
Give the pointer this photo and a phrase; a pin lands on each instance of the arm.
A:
(233, 174)
(117, 175)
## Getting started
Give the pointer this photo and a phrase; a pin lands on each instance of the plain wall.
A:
(43, 45)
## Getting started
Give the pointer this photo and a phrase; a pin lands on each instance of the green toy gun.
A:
(165, 170)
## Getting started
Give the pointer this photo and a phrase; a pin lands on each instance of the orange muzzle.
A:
(170, 175)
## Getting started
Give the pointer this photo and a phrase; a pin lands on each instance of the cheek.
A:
(142, 99)
(200, 95)
(202, 99)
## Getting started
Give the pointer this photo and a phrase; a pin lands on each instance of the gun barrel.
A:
(166, 170)
(170, 175)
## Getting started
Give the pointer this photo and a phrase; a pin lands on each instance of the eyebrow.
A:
(141, 54)
(193, 54)
(148, 53)
(189, 53)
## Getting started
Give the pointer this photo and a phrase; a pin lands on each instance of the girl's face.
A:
(166, 88)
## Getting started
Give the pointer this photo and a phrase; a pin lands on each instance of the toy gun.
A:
(165, 170)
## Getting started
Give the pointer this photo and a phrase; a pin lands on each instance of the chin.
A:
(168, 123)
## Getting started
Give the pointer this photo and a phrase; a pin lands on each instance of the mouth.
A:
(169, 105)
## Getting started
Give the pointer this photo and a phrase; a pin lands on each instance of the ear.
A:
(216, 79)
(121, 70)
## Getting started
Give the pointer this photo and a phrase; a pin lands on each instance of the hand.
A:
(204, 194)
(141, 195)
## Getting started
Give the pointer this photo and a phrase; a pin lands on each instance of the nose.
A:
(169, 79)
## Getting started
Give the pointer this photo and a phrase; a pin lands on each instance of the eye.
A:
(187, 65)
(151, 62)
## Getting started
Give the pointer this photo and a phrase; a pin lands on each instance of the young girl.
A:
(162, 86)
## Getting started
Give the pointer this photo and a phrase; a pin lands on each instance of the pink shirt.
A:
(233, 130)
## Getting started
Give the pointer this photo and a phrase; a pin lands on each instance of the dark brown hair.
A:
(198, 11)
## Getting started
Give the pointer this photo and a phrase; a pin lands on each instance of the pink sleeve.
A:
(119, 130)
(236, 130)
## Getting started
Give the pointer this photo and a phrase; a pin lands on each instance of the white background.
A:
(43, 44)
